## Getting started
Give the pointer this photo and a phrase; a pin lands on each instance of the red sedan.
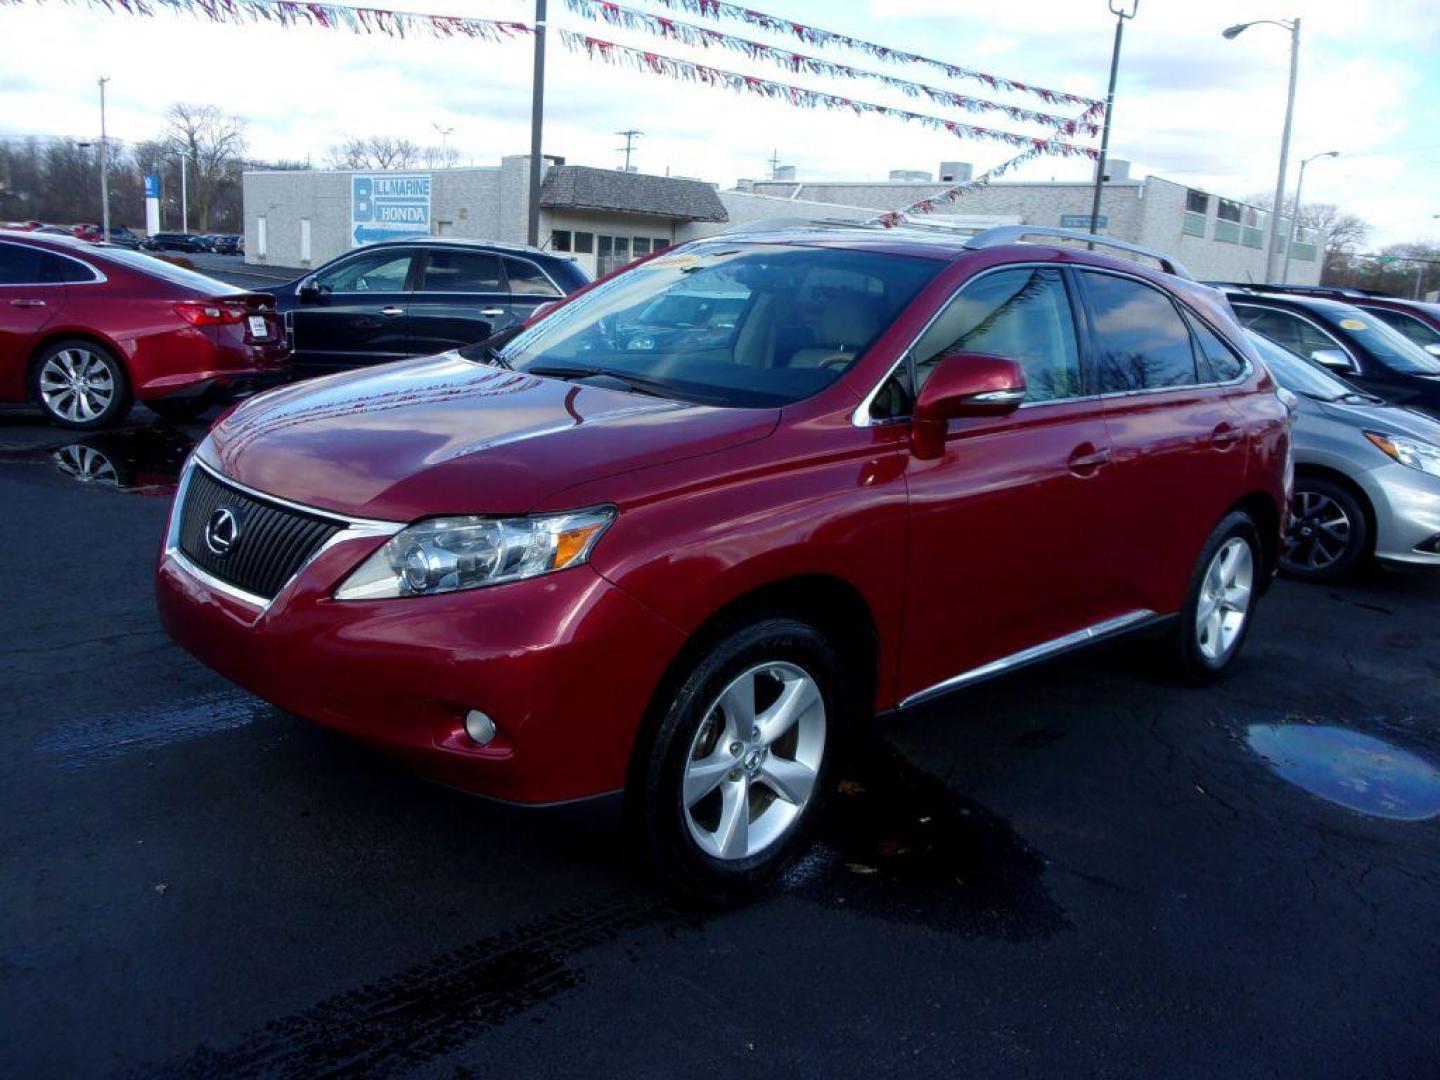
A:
(85, 330)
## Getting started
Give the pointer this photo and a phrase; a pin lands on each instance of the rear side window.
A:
(462, 271)
(1023, 314)
(1141, 342)
(527, 279)
(1224, 365)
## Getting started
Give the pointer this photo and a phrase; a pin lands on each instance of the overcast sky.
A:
(1191, 106)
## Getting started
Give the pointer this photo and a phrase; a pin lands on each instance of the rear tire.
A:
(726, 790)
(80, 384)
(1220, 601)
(1330, 535)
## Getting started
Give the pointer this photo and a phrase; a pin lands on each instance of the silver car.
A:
(1367, 474)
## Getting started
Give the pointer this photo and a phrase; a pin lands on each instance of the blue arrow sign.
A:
(389, 206)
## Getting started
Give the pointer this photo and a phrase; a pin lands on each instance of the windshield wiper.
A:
(639, 383)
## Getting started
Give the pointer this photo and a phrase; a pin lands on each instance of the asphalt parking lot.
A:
(1083, 870)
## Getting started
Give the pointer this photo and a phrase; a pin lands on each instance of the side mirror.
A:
(963, 384)
(1331, 358)
(309, 292)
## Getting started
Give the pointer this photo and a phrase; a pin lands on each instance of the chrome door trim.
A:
(1108, 628)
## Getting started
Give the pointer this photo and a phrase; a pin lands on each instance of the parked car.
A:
(24, 226)
(163, 241)
(551, 565)
(85, 329)
(1351, 342)
(1417, 320)
(406, 298)
(94, 234)
(226, 244)
(1367, 474)
(51, 230)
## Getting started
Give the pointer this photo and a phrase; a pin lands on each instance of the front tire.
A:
(1330, 535)
(726, 790)
(81, 384)
(1220, 602)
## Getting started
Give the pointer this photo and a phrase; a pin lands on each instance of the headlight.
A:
(1412, 452)
(451, 553)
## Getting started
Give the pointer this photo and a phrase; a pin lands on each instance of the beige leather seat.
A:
(845, 329)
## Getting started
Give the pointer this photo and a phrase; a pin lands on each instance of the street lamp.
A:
(1293, 25)
(1119, 9)
(444, 144)
(104, 167)
(1295, 216)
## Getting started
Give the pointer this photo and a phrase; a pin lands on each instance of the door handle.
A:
(1086, 459)
(392, 311)
(27, 303)
(1224, 437)
(492, 312)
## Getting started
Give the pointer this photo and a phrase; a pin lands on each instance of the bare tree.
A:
(374, 152)
(213, 141)
(441, 157)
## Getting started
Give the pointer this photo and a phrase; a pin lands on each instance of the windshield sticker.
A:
(1353, 324)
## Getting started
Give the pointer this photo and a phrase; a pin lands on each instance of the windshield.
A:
(1298, 375)
(169, 271)
(1386, 344)
(732, 324)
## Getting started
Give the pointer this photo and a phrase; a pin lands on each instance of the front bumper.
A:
(1407, 513)
(565, 664)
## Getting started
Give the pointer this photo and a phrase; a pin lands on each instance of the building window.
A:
(584, 243)
(659, 243)
(641, 246)
(1197, 210)
(560, 240)
(1255, 221)
(1227, 222)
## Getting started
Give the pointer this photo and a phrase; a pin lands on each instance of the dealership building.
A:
(605, 218)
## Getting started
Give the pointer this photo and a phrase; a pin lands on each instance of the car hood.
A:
(1381, 417)
(445, 435)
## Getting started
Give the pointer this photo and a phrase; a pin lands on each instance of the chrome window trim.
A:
(861, 417)
(351, 529)
(1131, 620)
(98, 276)
(1354, 360)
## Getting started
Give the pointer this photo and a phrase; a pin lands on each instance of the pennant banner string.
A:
(357, 20)
(705, 37)
(689, 71)
(928, 205)
(716, 9)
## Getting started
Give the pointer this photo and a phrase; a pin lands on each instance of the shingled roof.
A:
(581, 187)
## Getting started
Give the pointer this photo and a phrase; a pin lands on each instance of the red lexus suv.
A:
(614, 550)
(86, 329)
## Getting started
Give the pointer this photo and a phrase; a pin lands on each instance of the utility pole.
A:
(184, 192)
(1119, 10)
(537, 120)
(1295, 216)
(630, 136)
(104, 167)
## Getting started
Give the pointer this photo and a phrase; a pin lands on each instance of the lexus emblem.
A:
(221, 531)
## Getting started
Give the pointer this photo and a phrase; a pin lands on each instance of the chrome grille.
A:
(271, 541)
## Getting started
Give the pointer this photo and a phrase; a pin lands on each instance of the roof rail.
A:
(1016, 234)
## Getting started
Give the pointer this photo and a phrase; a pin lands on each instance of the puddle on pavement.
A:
(1351, 769)
(141, 459)
(896, 843)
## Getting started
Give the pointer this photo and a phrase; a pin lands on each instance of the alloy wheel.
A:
(77, 385)
(754, 762)
(1225, 595)
(1320, 535)
(86, 464)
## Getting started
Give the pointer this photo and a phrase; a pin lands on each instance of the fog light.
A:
(479, 727)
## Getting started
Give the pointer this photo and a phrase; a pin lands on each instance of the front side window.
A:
(1022, 314)
(527, 279)
(1389, 346)
(1296, 334)
(462, 271)
(731, 324)
(378, 271)
(1141, 342)
(18, 265)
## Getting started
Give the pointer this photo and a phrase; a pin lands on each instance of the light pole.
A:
(1121, 13)
(1295, 216)
(1293, 25)
(537, 121)
(104, 167)
(444, 144)
(184, 191)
